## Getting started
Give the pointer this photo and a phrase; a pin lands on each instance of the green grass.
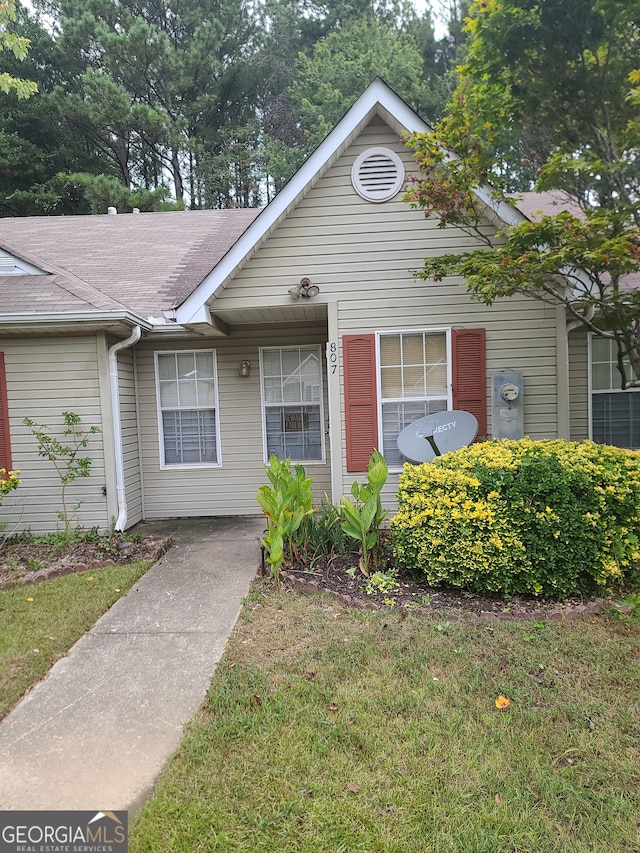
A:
(329, 729)
(39, 623)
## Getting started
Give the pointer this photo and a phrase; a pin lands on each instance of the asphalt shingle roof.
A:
(146, 263)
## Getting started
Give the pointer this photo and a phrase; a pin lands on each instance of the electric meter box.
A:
(507, 404)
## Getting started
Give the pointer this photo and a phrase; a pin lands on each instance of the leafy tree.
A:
(35, 142)
(17, 45)
(547, 89)
(339, 69)
(158, 86)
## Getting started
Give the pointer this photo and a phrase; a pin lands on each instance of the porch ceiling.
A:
(302, 311)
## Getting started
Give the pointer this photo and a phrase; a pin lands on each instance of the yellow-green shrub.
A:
(550, 518)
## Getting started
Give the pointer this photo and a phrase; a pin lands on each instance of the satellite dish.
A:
(436, 434)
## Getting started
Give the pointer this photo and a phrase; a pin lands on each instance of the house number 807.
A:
(333, 357)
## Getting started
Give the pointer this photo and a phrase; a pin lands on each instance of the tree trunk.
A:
(177, 176)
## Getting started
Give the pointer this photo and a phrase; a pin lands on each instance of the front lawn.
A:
(333, 729)
(39, 623)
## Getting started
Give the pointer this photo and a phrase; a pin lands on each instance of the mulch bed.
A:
(26, 563)
(334, 575)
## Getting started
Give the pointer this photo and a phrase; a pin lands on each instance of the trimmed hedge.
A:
(544, 518)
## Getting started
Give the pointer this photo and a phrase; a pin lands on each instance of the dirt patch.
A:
(335, 575)
(25, 563)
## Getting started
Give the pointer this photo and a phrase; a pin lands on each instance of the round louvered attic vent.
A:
(377, 174)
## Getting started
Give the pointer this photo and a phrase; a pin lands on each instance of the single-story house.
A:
(199, 343)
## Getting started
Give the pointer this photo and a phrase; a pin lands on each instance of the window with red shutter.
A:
(5, 438)
(413, 376)
(413, 382)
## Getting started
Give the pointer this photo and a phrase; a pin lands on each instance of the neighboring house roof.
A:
(536, 205)
(145, 264)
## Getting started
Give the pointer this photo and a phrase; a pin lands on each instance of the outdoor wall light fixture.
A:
(305, 288)
(245, 369)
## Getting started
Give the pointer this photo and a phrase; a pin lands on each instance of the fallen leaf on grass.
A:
(498, 799)
(502, 703)
(332, 707)
(30, 599)
(351, 786)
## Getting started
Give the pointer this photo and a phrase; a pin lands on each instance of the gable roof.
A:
(377, 100)
(169, 265)
(145, 264)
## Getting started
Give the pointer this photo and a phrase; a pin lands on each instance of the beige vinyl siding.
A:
(361, 255)
(579, 385)
(46, 377)
(130, 445)
(231, 488)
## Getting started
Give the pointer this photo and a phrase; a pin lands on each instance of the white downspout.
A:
(117, 426)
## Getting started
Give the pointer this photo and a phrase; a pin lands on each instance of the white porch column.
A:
(334, 374)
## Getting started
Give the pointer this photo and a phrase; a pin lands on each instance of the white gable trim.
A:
(11, 265)
(378, 99)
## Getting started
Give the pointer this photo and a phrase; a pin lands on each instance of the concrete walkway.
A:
(95, 734)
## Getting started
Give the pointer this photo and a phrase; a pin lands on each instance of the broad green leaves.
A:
(18, 46)
(362, 516)
(548, 98)
(286, 503)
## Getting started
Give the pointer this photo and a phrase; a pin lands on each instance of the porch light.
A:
(305, 288)
(245, 369)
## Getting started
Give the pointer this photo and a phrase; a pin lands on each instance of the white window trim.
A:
(263, 405)
(183, 466)
(423, 330)
(591, 390)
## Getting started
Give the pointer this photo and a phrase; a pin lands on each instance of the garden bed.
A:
(334, 575)
(30, 561)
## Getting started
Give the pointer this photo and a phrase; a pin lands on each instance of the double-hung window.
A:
(292, 403)
(414, 381)
(188, 408)
(615, 414)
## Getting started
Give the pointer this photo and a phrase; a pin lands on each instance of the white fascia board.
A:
(74, 317)
(505, 212)
(378, 98)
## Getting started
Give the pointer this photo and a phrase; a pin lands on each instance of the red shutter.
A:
(5, 438)
(469, 369)
(361, 402)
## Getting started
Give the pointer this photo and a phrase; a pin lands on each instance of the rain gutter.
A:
(133, 338)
